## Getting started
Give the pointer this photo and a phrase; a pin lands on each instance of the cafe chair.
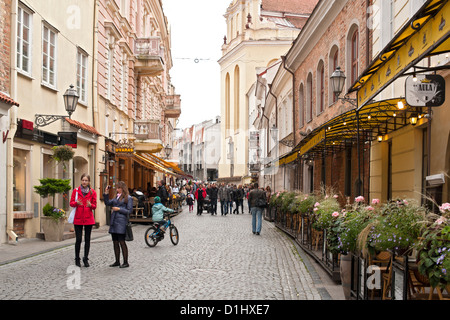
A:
(382, 261)
(137, 211)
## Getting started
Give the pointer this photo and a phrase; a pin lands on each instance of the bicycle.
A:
(154, 233)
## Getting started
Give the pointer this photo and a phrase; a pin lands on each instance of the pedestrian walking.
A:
(122, 206)
(213, 195)
(84, 199)
(257, 200)
(223, 198)
(200, 195)
(190, 202)
(230, 198)
(162, 192)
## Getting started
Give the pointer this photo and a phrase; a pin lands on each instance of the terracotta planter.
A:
(346, 274)
(53, 229)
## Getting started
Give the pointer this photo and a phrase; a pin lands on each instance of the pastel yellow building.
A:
(258, 33)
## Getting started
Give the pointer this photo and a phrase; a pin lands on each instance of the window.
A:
(109, 71)
(354, 57)
(48, 56)
(236, 98)
(82, 61)
(321, 87)
(20, 177)
(24, 40)
(309, 98)
(301, 105)
(333, 64)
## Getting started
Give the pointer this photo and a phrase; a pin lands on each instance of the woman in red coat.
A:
(85, 200)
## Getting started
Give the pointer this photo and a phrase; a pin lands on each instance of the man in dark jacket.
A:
(213, 195)
(256, 210)
(162, 192)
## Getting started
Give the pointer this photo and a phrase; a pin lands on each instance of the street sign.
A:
(425, 90)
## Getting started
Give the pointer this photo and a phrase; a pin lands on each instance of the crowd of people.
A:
(207, 196)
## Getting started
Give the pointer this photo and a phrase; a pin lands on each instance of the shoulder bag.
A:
(72, 213)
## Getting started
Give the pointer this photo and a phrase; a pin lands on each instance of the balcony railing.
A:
(147, 130)
(173, 106)
(149, 56)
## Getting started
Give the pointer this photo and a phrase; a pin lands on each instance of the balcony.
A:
(148, 136)
(149, 56)
(173, 106)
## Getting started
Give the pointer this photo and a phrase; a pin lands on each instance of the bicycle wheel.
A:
(174, 235)
(151, 239)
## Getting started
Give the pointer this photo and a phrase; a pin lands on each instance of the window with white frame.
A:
(24, 31)
(48, 56)
(82, 64)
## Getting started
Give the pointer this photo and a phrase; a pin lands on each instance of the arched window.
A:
(309, 98)
(352, 55)
(227, 102)
(333, 64)
(301, 105)
(236, 98)
(320, 87)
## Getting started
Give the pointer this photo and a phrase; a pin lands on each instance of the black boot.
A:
(85, 261)
(77, 262)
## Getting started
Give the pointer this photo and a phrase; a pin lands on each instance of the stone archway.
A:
(80, 166)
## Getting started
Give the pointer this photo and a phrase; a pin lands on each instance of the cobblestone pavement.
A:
(217, 258)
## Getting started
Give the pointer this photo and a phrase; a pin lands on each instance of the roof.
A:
(82, 126)
(8, 100)
(289, 6)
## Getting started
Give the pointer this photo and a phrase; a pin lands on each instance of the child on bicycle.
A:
(158, 210)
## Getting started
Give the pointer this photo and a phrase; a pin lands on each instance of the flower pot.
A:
(53, 229)
(346, 274)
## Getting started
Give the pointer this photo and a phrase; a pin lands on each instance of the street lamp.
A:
(168, 150)
(70, 104)
(337, 81)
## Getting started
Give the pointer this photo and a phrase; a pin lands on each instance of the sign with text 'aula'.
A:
(425, 90)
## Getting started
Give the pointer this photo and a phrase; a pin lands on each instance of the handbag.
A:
(72, 213)
(129, 232)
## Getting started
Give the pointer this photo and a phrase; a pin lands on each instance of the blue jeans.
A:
(256, 218)
(224, 207)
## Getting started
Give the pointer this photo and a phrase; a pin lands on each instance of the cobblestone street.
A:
(217, 258)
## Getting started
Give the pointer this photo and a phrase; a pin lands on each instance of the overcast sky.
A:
(198, 28)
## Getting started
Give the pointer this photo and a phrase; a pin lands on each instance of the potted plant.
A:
(397, 228)
(62, 154)
(433, 257)
(54, 218)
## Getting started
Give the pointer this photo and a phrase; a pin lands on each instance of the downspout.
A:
(95, 120)
(276, 122)
(12, 131)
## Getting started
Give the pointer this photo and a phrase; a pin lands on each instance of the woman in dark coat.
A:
(121, 207)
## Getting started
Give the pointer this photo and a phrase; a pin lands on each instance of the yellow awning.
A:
(381, 117)
(161, 165)
(426, 34)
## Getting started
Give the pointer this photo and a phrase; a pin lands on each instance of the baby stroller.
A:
(207, 204)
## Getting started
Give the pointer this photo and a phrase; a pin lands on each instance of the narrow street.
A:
(217, 258)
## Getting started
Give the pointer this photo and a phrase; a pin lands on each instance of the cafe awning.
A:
(375, 120)
(161, 165)
(426, 34)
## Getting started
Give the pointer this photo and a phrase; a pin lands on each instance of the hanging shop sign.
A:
(425, 90)
(68, 139)
(125, 146)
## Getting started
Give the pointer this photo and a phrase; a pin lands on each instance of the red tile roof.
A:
(291, 6)
(82, 126)
(8, 100)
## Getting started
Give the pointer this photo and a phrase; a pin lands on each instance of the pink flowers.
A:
(440, 220)
(375, 201)
(445, 207)
(335, 214)
(359, 199)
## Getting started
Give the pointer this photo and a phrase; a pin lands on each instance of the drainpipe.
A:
(276, 122)
(12, 131)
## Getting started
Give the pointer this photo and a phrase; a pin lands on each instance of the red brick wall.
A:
(5, 46)
(337, 33)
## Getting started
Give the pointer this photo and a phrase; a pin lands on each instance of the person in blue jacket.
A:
(158, 211)
(121, 207)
